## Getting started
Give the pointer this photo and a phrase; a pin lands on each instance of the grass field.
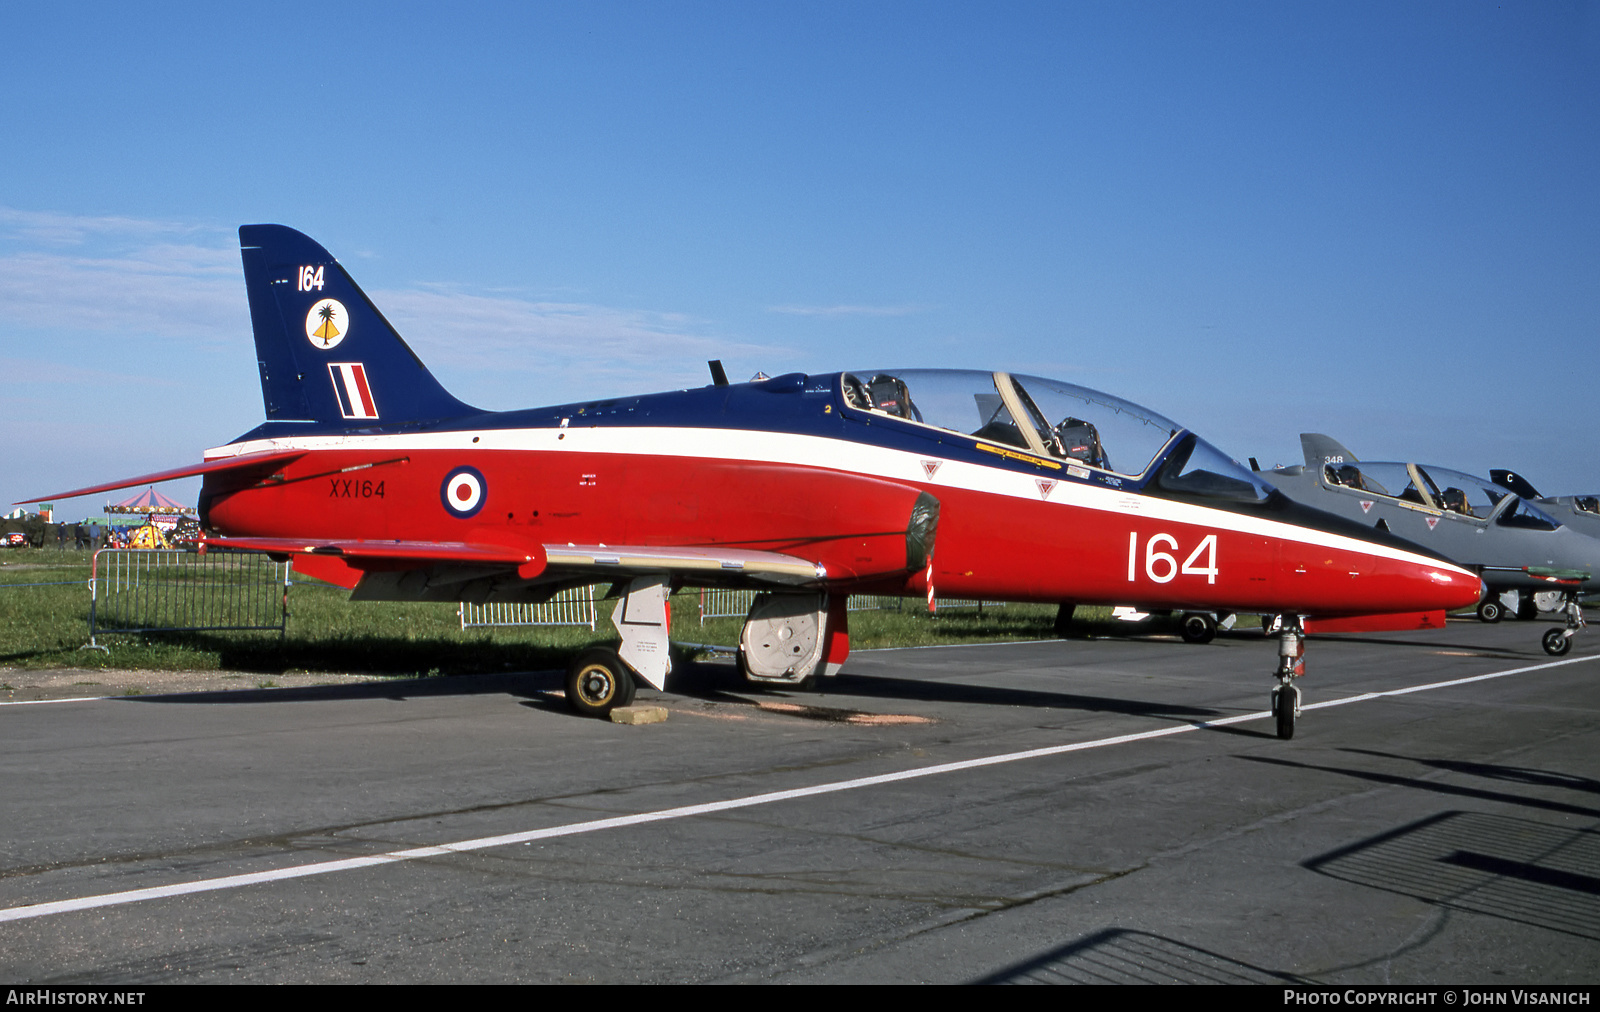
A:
(44, 606)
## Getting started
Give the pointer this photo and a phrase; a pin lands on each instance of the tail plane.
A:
(326, 353)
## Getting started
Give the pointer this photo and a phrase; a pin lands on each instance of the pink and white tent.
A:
(149, 501)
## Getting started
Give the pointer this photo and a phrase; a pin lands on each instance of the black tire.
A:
(1490, 610)
(1527, 608)
(1063, 627)
(598, 682)
(1283, 710)
(1198, 627)
(1556, 642)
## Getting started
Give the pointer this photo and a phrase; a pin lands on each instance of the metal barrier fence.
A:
(876, 602)
(958, 603)
(715, 603)
(134, 590)
(573, 607)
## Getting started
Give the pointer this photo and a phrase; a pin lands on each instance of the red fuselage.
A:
(1011, 526)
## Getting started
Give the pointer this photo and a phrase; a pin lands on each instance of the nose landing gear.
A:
(1557, 642)
(1291, 665)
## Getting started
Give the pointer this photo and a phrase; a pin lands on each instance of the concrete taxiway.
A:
(1043, 811)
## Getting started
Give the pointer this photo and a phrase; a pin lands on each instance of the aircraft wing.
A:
(345, 562)
(384, 553)
(243, 463)
(769, 567)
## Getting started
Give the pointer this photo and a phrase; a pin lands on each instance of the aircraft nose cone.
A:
(1446, 586)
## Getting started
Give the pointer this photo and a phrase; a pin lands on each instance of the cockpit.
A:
(1083, 428)
(1439, 489)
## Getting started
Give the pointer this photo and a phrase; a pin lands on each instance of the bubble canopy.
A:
(1055, 419)
(1440, 488)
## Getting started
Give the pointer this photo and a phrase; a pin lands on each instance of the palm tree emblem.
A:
(327, 331)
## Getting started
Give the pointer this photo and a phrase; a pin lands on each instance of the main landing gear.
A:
(1527, 607)
(1557, 642)
(1202, 626)
(598, 682)
(1291, 665)
(1199, 627)
(602, 678)
(791, 638)
(788, 639)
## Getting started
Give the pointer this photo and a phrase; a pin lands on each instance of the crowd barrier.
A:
(135, 590)
(574, 607)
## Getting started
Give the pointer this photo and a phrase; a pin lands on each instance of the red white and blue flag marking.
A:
(350, 386)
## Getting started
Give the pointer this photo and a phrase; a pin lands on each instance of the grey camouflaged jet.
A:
(1514, 544)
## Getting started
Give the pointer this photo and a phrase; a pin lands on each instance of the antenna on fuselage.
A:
(719, 377)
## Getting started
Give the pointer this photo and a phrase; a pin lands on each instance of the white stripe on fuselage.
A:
(867, 459)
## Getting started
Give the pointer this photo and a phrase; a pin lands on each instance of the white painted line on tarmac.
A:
(688, 811)
(36, 702)
(1430, 686)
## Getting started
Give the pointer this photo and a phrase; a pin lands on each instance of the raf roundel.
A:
(327, 323)
(462, 492)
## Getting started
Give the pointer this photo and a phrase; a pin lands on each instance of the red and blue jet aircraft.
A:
(810, 487)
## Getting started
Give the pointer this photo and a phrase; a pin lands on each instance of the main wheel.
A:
(1063, 627)
(1198, 627)
(1490, 609)
(598, 682)
(1527, 608)
(1283, 710)
(1557, 642)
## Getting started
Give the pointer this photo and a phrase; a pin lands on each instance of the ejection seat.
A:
(889, 395)
(1455, 501)
(1080, 440)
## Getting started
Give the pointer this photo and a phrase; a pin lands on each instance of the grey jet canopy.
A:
(1582, 512)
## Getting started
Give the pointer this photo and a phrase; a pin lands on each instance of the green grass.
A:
(45, 627)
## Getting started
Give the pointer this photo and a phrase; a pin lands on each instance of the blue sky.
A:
(1379, 221)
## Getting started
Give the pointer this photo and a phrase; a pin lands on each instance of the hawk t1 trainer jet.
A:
(1512, 543)
(811, 487)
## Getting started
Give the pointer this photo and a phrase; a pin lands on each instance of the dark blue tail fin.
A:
(326, 354)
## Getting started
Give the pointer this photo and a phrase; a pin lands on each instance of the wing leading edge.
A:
(243, 464)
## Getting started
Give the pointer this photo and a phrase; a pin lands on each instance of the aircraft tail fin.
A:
(1515, 482)
(1320, 450)
(325, 352)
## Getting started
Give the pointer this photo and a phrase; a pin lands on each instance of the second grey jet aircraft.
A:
(1512, 543)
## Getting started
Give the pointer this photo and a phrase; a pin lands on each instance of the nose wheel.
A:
(1291, 665)
(1557, 642)
(1285, 708)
